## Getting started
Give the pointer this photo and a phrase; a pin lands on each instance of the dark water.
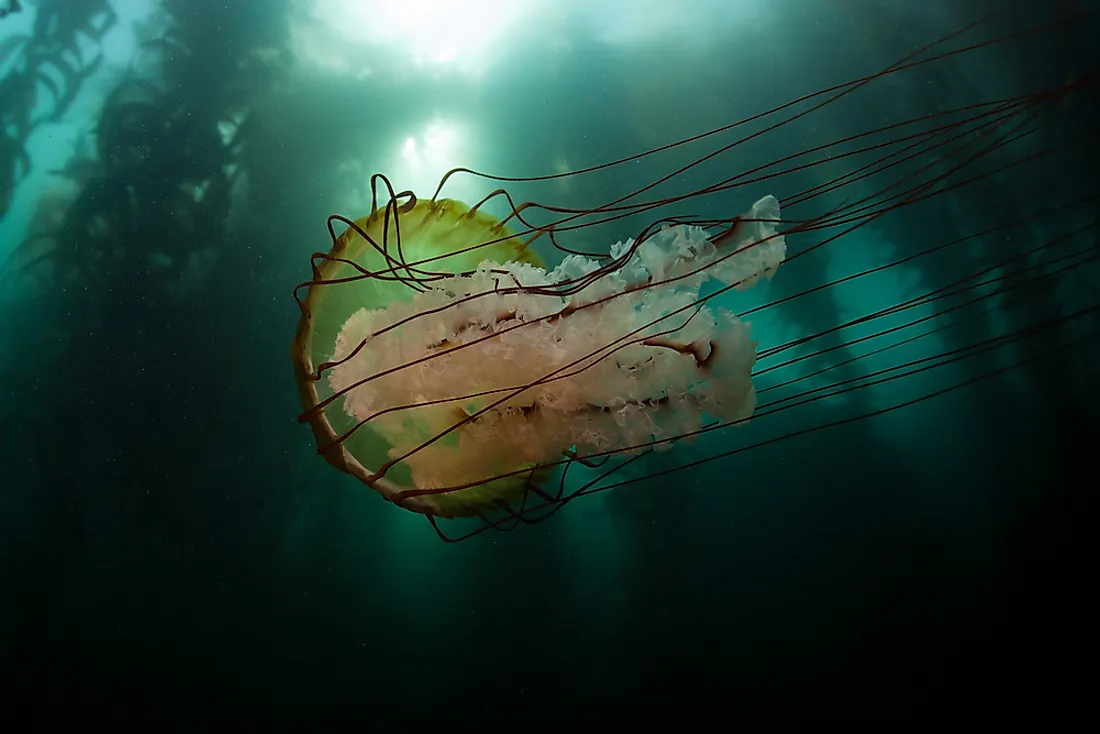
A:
(173, 549)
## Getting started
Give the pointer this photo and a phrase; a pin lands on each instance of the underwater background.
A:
(173, 549)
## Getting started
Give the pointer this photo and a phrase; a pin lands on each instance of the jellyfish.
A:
(445, 363)
(476, 368)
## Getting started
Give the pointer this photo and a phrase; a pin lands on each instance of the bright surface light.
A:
(426, 156)
(416, 161)
(469, 36)
(426, 33)
(419, 161)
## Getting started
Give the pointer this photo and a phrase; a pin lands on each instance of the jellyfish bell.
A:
(444, 364)
(339, 289)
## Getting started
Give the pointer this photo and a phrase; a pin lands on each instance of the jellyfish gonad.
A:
(442, 363)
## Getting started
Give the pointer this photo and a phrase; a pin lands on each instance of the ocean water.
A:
(899, 532)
